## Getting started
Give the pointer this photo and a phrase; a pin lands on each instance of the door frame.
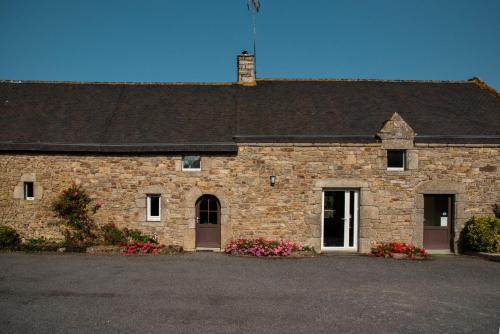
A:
(219, 221)
(347, 210)
(450, 221)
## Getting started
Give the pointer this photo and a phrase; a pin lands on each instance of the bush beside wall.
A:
(482, 234)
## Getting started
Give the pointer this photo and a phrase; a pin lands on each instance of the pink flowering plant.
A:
(76, 208)
(388, 249)
(261, 247)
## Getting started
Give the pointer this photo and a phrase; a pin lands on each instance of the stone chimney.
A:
(246, 69)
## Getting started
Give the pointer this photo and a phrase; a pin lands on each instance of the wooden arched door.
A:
(208, 220)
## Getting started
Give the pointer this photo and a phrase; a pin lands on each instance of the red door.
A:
(208, 227)
(438, 222)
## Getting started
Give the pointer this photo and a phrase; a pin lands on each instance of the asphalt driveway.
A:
(214, 293)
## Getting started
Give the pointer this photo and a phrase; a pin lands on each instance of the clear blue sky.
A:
(197, 40)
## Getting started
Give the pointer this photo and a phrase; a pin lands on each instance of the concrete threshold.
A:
(340, 253)
(440, 252)
(208, 249)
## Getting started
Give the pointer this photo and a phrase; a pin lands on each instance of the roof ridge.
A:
(203, 83)
(363, 80)
(117, 83)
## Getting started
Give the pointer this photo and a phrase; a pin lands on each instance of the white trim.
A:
(190, 169)
(322, 217)
(400, 169)
(26, 191)
(148, 208)
(356, 219)
(347, 214)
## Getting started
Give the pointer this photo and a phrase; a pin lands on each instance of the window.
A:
(396, 159)
(153, 207)
(29, 193)
(191, 162)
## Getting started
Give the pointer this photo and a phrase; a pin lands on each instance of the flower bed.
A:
(134, 247)
(261, 247)
(398, 250)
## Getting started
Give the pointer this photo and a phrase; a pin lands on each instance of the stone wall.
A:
(390, 201)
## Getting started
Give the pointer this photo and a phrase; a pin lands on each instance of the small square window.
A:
(396, 159)
(153, 207)
(191, 162)
(29, 192)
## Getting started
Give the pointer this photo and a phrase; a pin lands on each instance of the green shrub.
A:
(8, 237)
(482, 234)
(112, 234)
(138, 236)
(41, 244)
(75, 208)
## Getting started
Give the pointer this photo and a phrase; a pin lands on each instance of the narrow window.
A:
(29, 193)
(191, 162)
(153, 207)
(396, 159)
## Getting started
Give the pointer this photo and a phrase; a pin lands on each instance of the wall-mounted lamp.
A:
(272, 180)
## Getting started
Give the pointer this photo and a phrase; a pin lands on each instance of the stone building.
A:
(335, 164)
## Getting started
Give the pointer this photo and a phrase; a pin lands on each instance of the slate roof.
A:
(157, 117)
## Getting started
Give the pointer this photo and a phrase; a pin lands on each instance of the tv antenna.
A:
(254, 7)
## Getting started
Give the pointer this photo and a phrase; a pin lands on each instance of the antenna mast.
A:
(254, 7)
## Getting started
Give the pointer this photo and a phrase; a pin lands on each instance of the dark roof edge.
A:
(303, 138)
(458, 139)
(438, 139)
(484, 86)
(119, 148)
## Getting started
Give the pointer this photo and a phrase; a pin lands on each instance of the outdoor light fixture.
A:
(272, 180)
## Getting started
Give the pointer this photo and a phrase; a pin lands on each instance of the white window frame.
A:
(26, 191)
(190, 169)
(347, 209)
(148, 208)
(400, 169)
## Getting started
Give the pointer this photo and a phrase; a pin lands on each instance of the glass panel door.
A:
(340, 219)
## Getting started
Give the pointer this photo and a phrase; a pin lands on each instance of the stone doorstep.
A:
(340, 253)
(440, 252)
(207, 249)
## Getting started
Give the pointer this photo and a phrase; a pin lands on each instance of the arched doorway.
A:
(208, 222)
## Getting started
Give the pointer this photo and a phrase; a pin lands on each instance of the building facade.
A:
(398, 170)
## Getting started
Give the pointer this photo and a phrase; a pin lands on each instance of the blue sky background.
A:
(197, 40)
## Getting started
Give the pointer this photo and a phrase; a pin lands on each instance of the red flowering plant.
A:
(388, 249)
(261, 247)
(134, 247)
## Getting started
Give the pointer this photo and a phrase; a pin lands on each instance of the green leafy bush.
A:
(482, 234)
(138, 236)
(41, 244)
(8, 237)
(112, 234)
(74, 206)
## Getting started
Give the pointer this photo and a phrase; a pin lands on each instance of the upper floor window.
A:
(396, 159)
(191, 162)
(153, 207)
(29, 192)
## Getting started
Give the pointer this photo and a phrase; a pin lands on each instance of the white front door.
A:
(339, 230)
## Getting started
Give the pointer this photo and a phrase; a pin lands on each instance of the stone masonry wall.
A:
(389, 200)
